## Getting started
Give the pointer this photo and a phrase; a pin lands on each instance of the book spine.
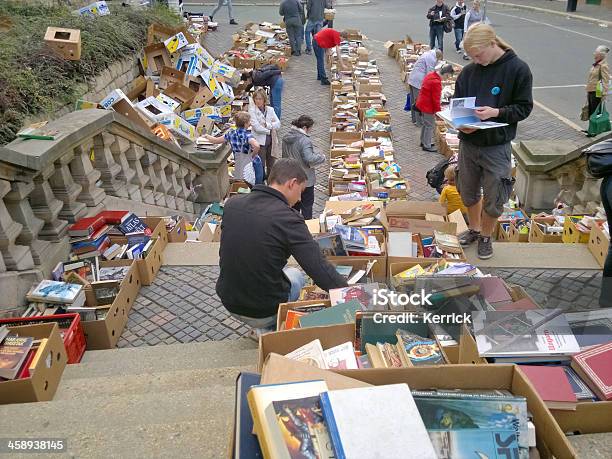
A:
(258, 426)
(332, 427)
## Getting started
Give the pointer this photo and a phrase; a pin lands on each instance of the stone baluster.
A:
(47, 207)
(65, 189)
(165, 199)
(186, 183)
(16, 257)
(2, 265)
(147, 162)
(105, 163)
(119, 148)
(176, 190)
(134, 156)
(20, 210)
(84, 174)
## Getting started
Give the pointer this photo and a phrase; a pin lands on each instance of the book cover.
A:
(581, 390)
(246, 445)
(375, 422)
(364, 293)
(475, 443)
(551, 384)
(133, 224)
(530, 333)
(260, 399)
(303, 428)
(331, 245)
(493, 289)
(113, 217)
(13, 352)
(593, 366)
(507, 415)
(52, 291)
(372, 249)
(591, 327)
(85, 226)
(292, 319)
(352, 237)
(339, 314)
(419, 350)
(310, 353)
(341, 357)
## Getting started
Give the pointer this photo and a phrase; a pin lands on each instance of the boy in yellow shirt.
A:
(450, 195)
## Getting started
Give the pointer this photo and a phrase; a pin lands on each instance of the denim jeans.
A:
(311, 29)
(276, 94)
(295, 31)
(416, 116)
(298, 280)
(436, 32)
(458, 38)
(605, 299)
(220, 4)
(320, 55)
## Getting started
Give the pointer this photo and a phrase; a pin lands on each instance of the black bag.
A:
(435, 175)
(599, 159)
(449, 25)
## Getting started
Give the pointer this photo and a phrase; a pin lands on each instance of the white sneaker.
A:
(459, 51)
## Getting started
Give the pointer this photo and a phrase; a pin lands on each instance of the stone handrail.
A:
(98, 155)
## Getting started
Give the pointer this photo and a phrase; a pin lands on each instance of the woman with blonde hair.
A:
(502, 84)
(598, 80)
(263, 124)
(473, 16)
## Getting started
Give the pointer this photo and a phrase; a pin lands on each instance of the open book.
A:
(462, 114)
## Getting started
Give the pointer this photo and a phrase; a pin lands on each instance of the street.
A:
(559, 50)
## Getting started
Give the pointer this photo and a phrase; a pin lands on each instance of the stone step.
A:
(169, 350)
(85, 419)
(174, 381)
(203, 438)
(138, 364)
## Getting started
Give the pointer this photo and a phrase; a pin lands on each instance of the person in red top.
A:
(325, 39)
(428, 103)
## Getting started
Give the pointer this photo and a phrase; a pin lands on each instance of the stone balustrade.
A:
(99, 159)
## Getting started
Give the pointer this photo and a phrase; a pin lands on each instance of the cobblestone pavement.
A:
(182, 305)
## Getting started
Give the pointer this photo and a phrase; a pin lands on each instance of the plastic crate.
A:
(70, 329)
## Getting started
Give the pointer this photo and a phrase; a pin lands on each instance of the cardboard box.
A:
(283, 342)
(345, 137)
(571, 233)
(45, 378)
(65, 42)
(396, 267)
(511, 234)
(589, 417)
(182, 94)
(391, 193)
(105, 333)
(151, 107)
(284, 307)
(169, 76)
(157, 58)
(181, 129)
(537, 235)
(551, 440)
(599, 244)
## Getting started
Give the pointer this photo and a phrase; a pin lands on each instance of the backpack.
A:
(599, 159)
(435, 175)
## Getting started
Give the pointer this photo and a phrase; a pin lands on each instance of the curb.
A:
(353, 3)
(558, 13)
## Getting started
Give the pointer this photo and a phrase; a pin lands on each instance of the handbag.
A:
(599, 159)
(599, 121)
(275, 148)
(584, 113)
(407, 107)
(448, 25)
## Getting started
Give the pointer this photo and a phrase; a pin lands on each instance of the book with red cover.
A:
(113, 217)
(25, 368)
(552, 385)
(594, 366)
(85, 226)
(520, 305)
(493, 289)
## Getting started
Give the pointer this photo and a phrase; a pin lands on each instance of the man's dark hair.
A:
(303, 121)
(286, 169)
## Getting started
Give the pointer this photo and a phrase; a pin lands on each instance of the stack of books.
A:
(53, 297)
(16, 355)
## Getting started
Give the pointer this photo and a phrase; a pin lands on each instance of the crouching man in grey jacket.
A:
(298, 145)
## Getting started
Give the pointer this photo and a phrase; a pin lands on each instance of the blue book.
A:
(505, 417)
(246, 445)
(133, 224)
(475, 443)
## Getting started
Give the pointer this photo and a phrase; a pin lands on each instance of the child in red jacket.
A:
(428, 103)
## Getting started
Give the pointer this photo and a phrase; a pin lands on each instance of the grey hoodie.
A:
(297, 145)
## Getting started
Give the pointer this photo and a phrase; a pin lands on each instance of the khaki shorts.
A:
(485, 171)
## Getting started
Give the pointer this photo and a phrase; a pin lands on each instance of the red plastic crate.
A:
(70, 329)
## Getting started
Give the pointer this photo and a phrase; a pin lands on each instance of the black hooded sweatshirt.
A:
(504, 84)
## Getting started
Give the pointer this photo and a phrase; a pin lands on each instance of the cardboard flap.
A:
(279, 370)
(457, 218)
(416, 209)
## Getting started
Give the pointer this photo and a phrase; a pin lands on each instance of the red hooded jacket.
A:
(430, 93)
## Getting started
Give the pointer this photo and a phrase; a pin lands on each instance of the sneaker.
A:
(325, 82)
(233, 22)
(466, 58)
(469, 237)
(485, 248)
(459, 51)
(255, 333)
(307, 51)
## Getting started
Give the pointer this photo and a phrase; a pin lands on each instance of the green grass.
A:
(34, 81)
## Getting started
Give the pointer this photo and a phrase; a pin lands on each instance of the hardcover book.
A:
(341, 357)
(13, 352)
(353, 238)
(85, 226)
(552, 385)
(594, 367)
(364, 293)
(339, 314)
(133, 224)
(531, 333)
(310, 353)
(273, 439)
(331, 245)
(52, 291)
(246, 445)
(375, 422)
(591, 327)
(418, 350)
